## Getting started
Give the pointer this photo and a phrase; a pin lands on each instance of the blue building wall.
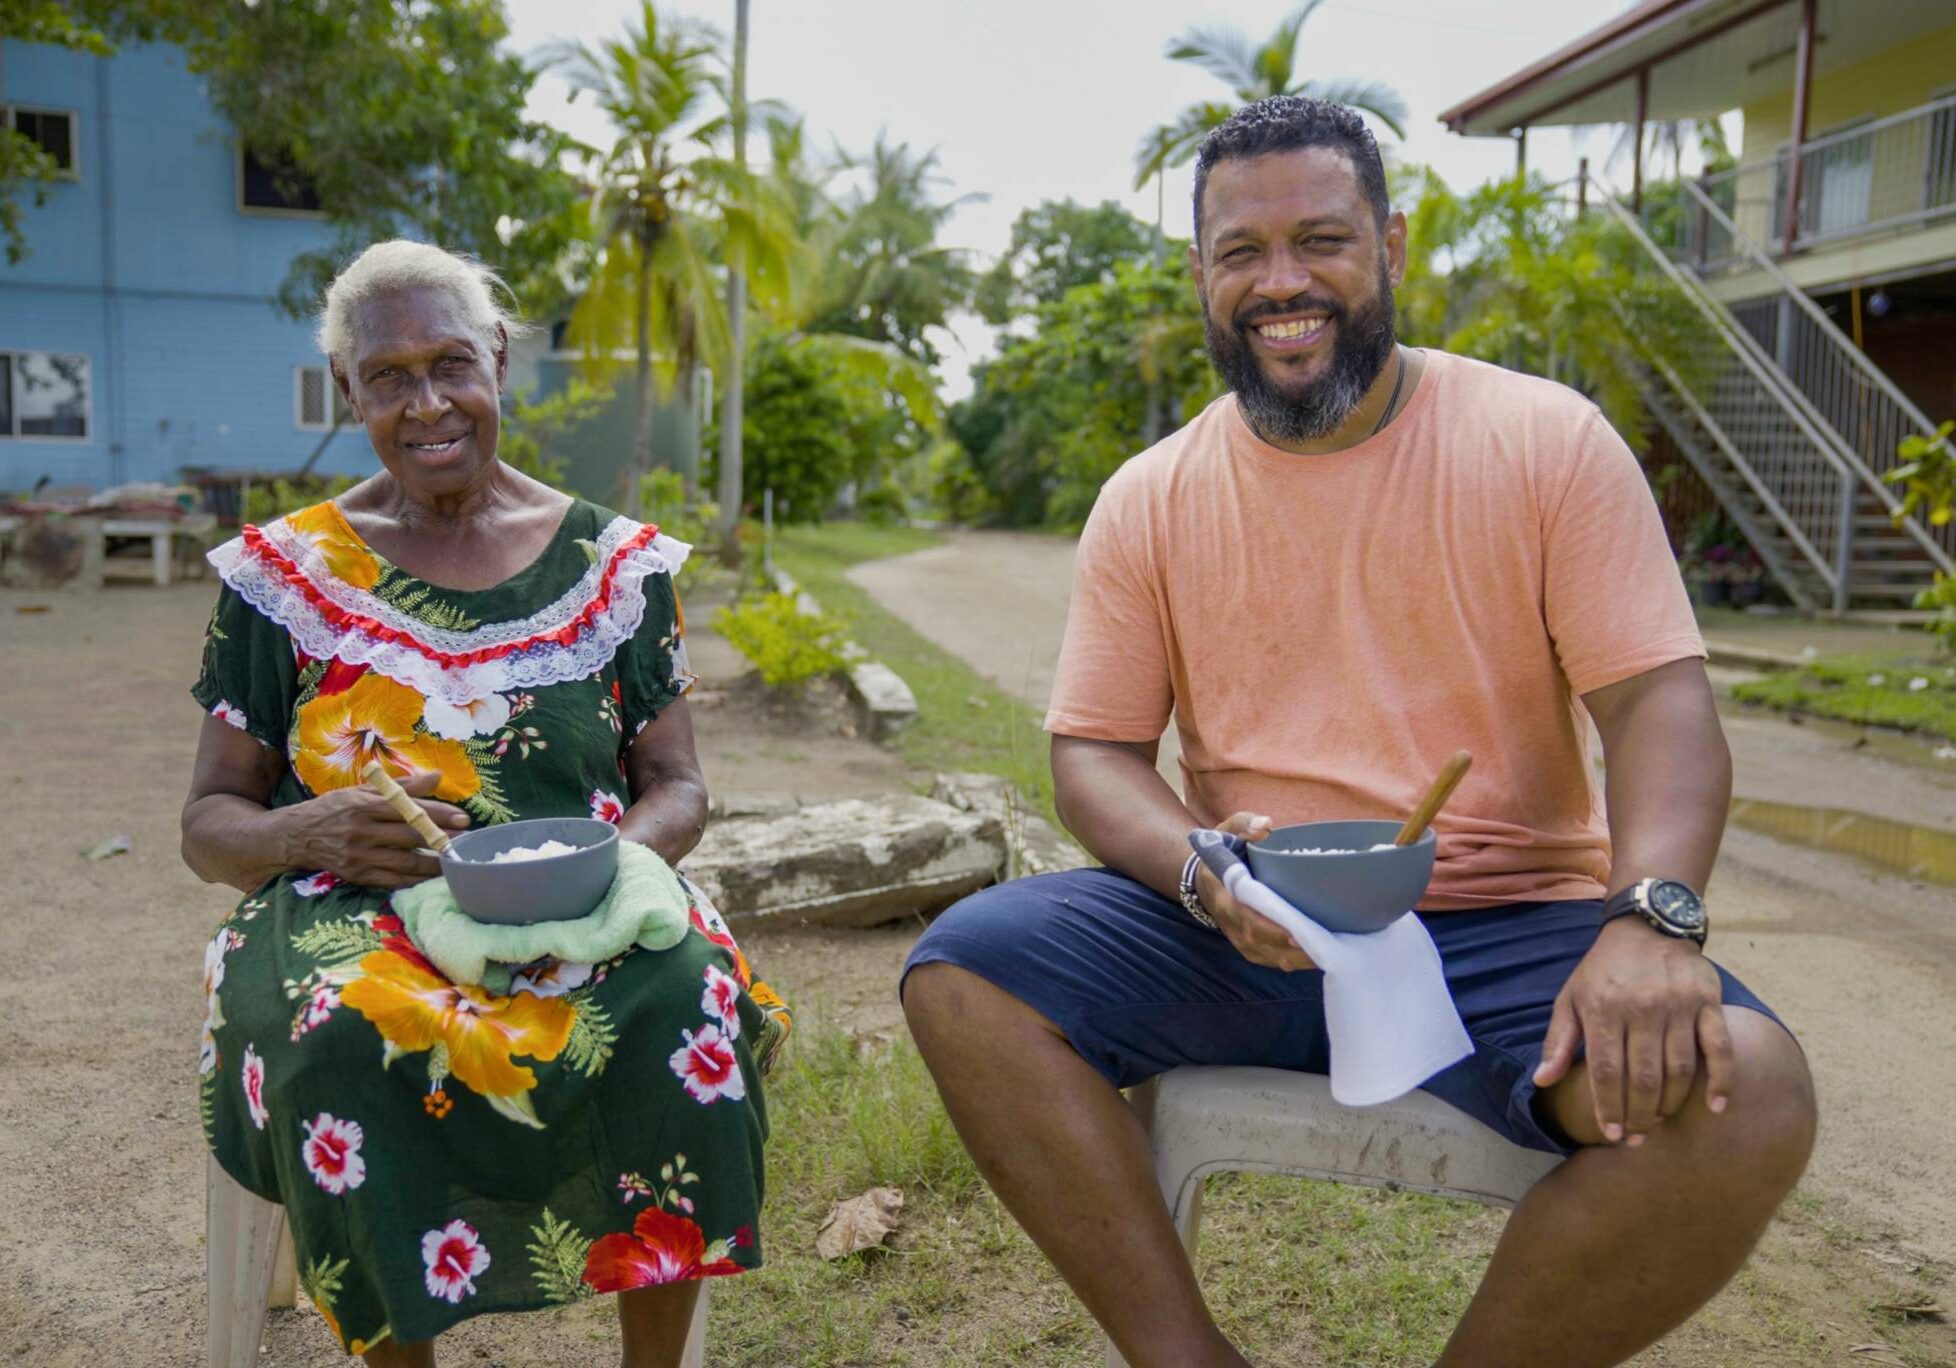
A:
(147, 265)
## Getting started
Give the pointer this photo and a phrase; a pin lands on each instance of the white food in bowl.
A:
(542, 852)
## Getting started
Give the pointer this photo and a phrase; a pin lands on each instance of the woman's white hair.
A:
(400, 265)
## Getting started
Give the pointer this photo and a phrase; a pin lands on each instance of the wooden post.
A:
(1637, 153)
(1802, 90)
(1521, 152)
(1582, 186)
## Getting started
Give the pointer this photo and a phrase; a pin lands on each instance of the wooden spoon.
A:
(410, 811)
(1429, 807)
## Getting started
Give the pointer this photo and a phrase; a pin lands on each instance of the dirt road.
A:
(1861, 963)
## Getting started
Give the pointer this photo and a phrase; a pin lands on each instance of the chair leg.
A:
(242, 1233)
(285, 1274)
(695, 1355)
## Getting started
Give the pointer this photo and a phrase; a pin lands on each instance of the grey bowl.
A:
(1363, 891)
(555, 888)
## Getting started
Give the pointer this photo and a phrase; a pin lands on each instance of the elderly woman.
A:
(506, 652)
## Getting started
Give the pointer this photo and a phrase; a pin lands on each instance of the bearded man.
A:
(1363, 558)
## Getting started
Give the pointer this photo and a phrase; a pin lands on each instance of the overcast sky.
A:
(1028, 100)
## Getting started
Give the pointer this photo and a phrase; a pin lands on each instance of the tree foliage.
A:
(1056, 245)
(407, 119)
(1508, 275)
(1059, 410)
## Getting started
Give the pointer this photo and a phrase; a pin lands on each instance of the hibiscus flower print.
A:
(313, 885)
(721, 1000)
(228, 714)
(606, 807)
(708, 1067)
(375, 719)
(459, 722)
(455, 1258)
(337, 545)
(414, 1008)
(321, 999)
(331, 1151)
(661, 1248)
(254, 1087)
(551, 978)
(213, 1013)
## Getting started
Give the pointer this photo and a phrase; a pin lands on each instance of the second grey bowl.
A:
(1364, 891)
(554, 888)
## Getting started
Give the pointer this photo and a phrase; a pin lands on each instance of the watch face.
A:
(1677, 904)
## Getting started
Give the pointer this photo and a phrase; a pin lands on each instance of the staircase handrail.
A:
(1869, 478)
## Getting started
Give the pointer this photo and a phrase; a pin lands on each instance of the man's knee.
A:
(1768, 1127)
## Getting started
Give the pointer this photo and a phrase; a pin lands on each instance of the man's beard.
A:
(1281, 414)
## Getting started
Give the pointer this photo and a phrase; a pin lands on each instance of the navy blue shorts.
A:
(1139, 987)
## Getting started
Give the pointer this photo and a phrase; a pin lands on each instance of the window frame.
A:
(73, 116)
(335, 402)
(13, 355)
(260, 210)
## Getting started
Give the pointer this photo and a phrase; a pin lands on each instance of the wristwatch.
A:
(1191, 900)
(1667, 906)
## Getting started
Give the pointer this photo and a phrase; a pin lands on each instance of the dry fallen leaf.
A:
(1921, 1307)
(859, 1223)
(101, 850)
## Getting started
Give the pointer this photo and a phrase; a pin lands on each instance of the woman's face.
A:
(425, 383)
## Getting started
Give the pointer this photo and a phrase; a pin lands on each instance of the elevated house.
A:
(1823, 262)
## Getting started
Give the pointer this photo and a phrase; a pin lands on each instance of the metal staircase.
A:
(1791, 427)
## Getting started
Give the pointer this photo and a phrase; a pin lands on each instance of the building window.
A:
(271, 184)
(311, 388)
(44, 395)
(51, 130)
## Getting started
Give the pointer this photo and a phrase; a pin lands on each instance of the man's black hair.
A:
(1287, 123)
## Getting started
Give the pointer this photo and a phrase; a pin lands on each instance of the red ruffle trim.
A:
(290, 572)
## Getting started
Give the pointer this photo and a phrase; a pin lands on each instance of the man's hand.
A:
(1646, 1006)
(1256, 938)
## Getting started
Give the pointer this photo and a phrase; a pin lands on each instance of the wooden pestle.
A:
(1429, 807)
(410, 811)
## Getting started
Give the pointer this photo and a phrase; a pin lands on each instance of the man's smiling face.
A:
(1296, 284)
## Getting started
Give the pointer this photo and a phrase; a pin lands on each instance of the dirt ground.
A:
(101, 1165)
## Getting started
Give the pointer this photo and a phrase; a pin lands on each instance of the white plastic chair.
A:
(1231, 1120)
(248, 1267)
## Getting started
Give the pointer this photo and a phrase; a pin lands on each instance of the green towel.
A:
(647, 906)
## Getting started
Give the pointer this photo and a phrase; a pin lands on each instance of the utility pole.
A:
(732, 394)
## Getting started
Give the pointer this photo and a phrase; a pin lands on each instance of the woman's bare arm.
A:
(668, 811)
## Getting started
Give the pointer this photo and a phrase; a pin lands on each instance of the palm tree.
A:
(667, 211)
(888, 278)
(1253, 73)
(734, 391)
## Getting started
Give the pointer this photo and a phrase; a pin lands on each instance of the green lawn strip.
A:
(1870, 690)
(964, 721)
(1296, 1271)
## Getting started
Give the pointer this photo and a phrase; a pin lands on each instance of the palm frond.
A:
(1222, 52)
(1376, 98)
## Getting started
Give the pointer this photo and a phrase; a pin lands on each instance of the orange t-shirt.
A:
(1327, 630)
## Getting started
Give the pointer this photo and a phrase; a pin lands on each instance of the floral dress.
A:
(442, 1152)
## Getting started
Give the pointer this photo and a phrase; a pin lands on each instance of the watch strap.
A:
(1191, 899)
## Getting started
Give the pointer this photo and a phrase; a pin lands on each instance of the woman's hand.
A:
(353, 833)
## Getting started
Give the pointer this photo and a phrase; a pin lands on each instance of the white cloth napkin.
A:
(1390, 1017)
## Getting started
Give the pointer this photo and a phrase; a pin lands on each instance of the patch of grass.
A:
(1870, 690)
(1296, 1271)
(964, 721)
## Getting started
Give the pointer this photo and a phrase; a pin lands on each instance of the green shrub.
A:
(534, 435)
(882, 506)
(662, 502)
(785, 644)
